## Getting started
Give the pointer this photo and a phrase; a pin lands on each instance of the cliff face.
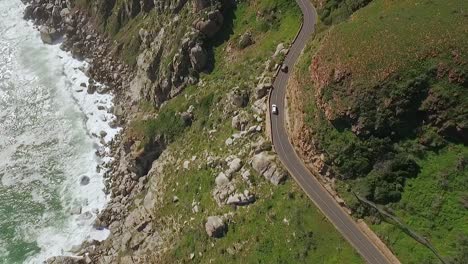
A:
(378, 99)
(168, 53)
(174, 54)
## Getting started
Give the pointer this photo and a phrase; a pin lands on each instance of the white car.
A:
(274, 109)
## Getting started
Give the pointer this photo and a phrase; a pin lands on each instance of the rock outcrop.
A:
(262, 88)
(241, 198)
(240, 121)
(210, 25)
(49, 35)
(238, 98)
(198, 57)
(265, 165)
(245, 40)
(156, 83)
(215, 227)
(224, 187)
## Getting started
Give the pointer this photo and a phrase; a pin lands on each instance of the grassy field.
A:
(434, 204)
(282, 226)
(394, 54)
(387, 37)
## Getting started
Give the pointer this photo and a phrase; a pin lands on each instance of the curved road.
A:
(317, 193)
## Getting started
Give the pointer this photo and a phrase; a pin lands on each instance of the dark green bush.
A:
(386, 181)
(168, 123)
(335, 11)
(351, 156)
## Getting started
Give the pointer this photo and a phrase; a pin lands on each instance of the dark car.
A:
(284, 68)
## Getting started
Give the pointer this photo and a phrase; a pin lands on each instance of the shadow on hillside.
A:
(223, 35)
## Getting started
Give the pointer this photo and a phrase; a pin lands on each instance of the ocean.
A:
(48, 128)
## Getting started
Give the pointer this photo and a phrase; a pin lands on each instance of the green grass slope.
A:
(385, 99)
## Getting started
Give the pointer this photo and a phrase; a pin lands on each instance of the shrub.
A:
(335, 11)
(167, 123)
(386, 181)
(203, 109)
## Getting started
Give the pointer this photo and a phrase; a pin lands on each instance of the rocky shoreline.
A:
(58, 21)
(62, 22)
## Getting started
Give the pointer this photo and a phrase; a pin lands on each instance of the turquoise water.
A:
(45, 148)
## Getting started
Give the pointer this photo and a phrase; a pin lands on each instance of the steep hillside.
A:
(380, 104)
(215, 157)
(194, 178)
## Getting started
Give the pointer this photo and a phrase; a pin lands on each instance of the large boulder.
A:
(241, 199)
(263, 87)
(64, 12)
(240, 121)
(221, 179)
(28, 12)
(265, 165)
(280, 49)
(49, 35)
(234, 165)
(211, 25)
(238, 98)
(198, 58)
(187, 118)
(215, 227)
(245, 40)
(56, 18)
(261, 91)
(224, 187)
(39, 14)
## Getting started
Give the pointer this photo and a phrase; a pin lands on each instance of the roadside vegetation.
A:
(386, 102)
(336, 11)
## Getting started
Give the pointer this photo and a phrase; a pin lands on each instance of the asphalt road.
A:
(317, 193)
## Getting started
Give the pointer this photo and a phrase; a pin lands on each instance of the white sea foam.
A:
(58, 241)
(90, 197)
(59, 238)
